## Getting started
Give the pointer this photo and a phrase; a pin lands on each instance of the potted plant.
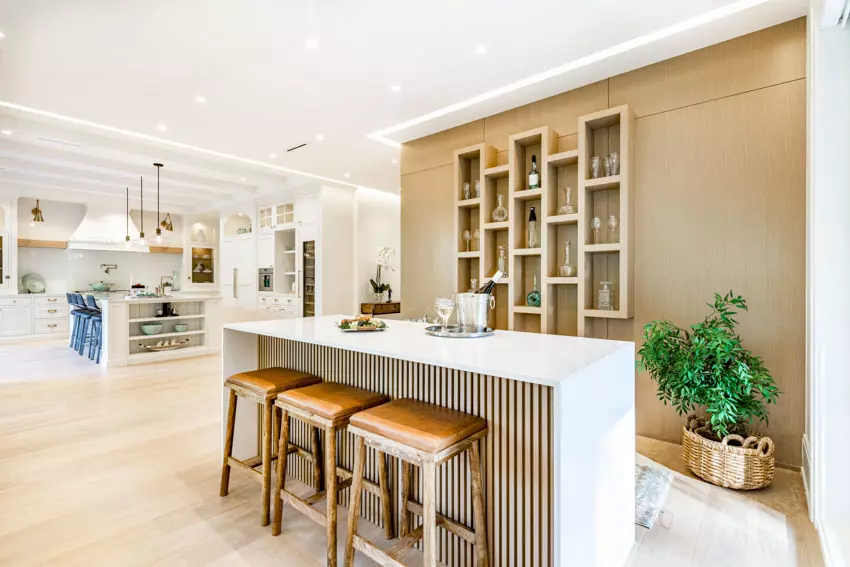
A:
(706, 367)
(384, 262)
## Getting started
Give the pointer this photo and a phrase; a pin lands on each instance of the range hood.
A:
(103, 228)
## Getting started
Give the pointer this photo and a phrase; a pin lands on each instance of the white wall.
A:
(74, 270)
(826, 458)
(377, 224)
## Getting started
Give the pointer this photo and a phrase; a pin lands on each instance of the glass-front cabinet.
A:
(264, 216)
(203, 265)
(277, 216)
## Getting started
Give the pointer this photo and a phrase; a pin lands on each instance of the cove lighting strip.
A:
(178, 145)
(652, 37)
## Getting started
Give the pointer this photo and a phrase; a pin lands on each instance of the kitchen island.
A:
(559, 457)
(125, 343)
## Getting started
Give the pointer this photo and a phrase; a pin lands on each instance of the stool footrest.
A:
(448, 524)
(303, 507)
(321, 494)
(405, 543)
(368, 549)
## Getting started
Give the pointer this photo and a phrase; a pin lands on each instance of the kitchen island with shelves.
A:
(558, 461)
(197, 318)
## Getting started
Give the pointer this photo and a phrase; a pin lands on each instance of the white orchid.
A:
(384, 259)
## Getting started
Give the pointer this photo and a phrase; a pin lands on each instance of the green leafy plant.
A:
(708, 367)
(379, 287)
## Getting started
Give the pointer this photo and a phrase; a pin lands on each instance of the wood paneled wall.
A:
(719, 195)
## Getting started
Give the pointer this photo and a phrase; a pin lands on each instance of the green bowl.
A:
(180, 328)
(151, 328)
(101, 286)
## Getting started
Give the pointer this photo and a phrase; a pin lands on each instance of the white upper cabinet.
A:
(265, 251)
(265, 217)
(309, 210)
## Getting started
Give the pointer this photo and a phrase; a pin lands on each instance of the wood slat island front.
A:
(558, 462)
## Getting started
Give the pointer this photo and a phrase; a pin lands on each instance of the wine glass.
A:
(594, 167)
(468, 237)
(606, 166)
(615, 163)
(445, 306)
(473, 285)
(476, 234)
(612, 227)
(595, 224)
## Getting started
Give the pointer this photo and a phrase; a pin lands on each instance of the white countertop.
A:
(161, 299)
(527, 357)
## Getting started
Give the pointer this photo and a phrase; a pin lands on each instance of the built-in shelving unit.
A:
(568, 304)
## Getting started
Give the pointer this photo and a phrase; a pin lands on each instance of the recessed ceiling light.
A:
(200, 99)
(6, 132)
(346, 175)
(481, 50)
(311, 43)
(585, 61)
(243, 179)
(396, 88)
(2, 35)
(272, 155)
(161, 127)
(395, 161)
(320, 137)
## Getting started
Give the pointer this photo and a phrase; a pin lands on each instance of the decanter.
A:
(533, 297)
(567, 270)
(567, 208)
(502, 262)
(500, 213)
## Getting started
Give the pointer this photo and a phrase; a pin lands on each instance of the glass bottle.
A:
(605, 297)
(502, 262)
(477, 188)
(532, 229)
(567, 270)
(533, 297)
(500, 213)
(534, 175)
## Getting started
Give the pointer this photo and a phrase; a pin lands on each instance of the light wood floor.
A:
(121, 468)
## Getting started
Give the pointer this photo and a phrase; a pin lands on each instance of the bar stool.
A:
(326, 407)
(425, 435)
(261, 386)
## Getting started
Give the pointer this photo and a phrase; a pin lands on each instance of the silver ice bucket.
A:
(472, 310)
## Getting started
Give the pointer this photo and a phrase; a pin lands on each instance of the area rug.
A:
(652, 485)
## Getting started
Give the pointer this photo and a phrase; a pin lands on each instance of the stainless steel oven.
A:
(265, 279)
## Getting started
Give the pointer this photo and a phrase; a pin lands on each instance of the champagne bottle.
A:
(532, 229)
(534, 175)
(488, 287)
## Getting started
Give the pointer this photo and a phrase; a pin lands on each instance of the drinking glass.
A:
(477, 188)
(594, 167)
(473, 285)
(466, 195)
(445, 306)
(567, 208)
(595, 224)
(468, 237)
(606, 166)
(615, 163)
(476, 234)
(612, 228)
(502, 262)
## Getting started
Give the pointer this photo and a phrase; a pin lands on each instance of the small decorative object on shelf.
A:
(532, 229)
(500, 213)
(567, 270)
(467, 236)
(477, 188)
(615, 163)
(502, 262)
(533, 297)
(612, 228)
(466, 195)
(606, 166)
(476, 234)
(473, 285)
(595, 224)
(567, 208)
(605, 297)
(594, 167)
(534, 175)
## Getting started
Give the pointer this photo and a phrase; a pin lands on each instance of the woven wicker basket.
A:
(748, 466)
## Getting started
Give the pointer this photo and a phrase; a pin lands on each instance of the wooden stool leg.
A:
(268, 411)
(318, 476)
(228, 444)
(356, 494)
(275, 428)
(404, 515)
(481, 551)
(429, 514)
(331, 484)
(282, 452)
(386, 500)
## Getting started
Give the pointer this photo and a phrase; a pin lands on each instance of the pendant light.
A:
(127, 221)
(36, 212)
(158, 166)
(142, 215)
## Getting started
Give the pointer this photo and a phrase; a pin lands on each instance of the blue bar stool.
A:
(76, 314)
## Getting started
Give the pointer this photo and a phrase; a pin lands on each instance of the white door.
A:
(239, 273)
(265, 251)
(15, 321)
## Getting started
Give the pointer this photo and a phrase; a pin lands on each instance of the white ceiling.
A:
(276, 74)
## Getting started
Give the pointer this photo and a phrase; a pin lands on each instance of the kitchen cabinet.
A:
(5, 266)
(239, 273)
(266, 222)
(15, 320)
(265, 251)
(284, 215)
(200, 255)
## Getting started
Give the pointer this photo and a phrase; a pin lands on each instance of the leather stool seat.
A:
(269, 382)
(425, 426)
(331, 400)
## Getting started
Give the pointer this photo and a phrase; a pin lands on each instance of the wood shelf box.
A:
(559, 280)
(562, 219)
(469, 203)
(608, 247)
(603, 183)
(498, 171)
(496, 226)
(528, 195)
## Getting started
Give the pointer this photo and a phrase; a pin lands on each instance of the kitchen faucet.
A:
(108, 267)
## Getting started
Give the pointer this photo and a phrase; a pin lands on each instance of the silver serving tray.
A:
(454, 332)
(362, 330)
